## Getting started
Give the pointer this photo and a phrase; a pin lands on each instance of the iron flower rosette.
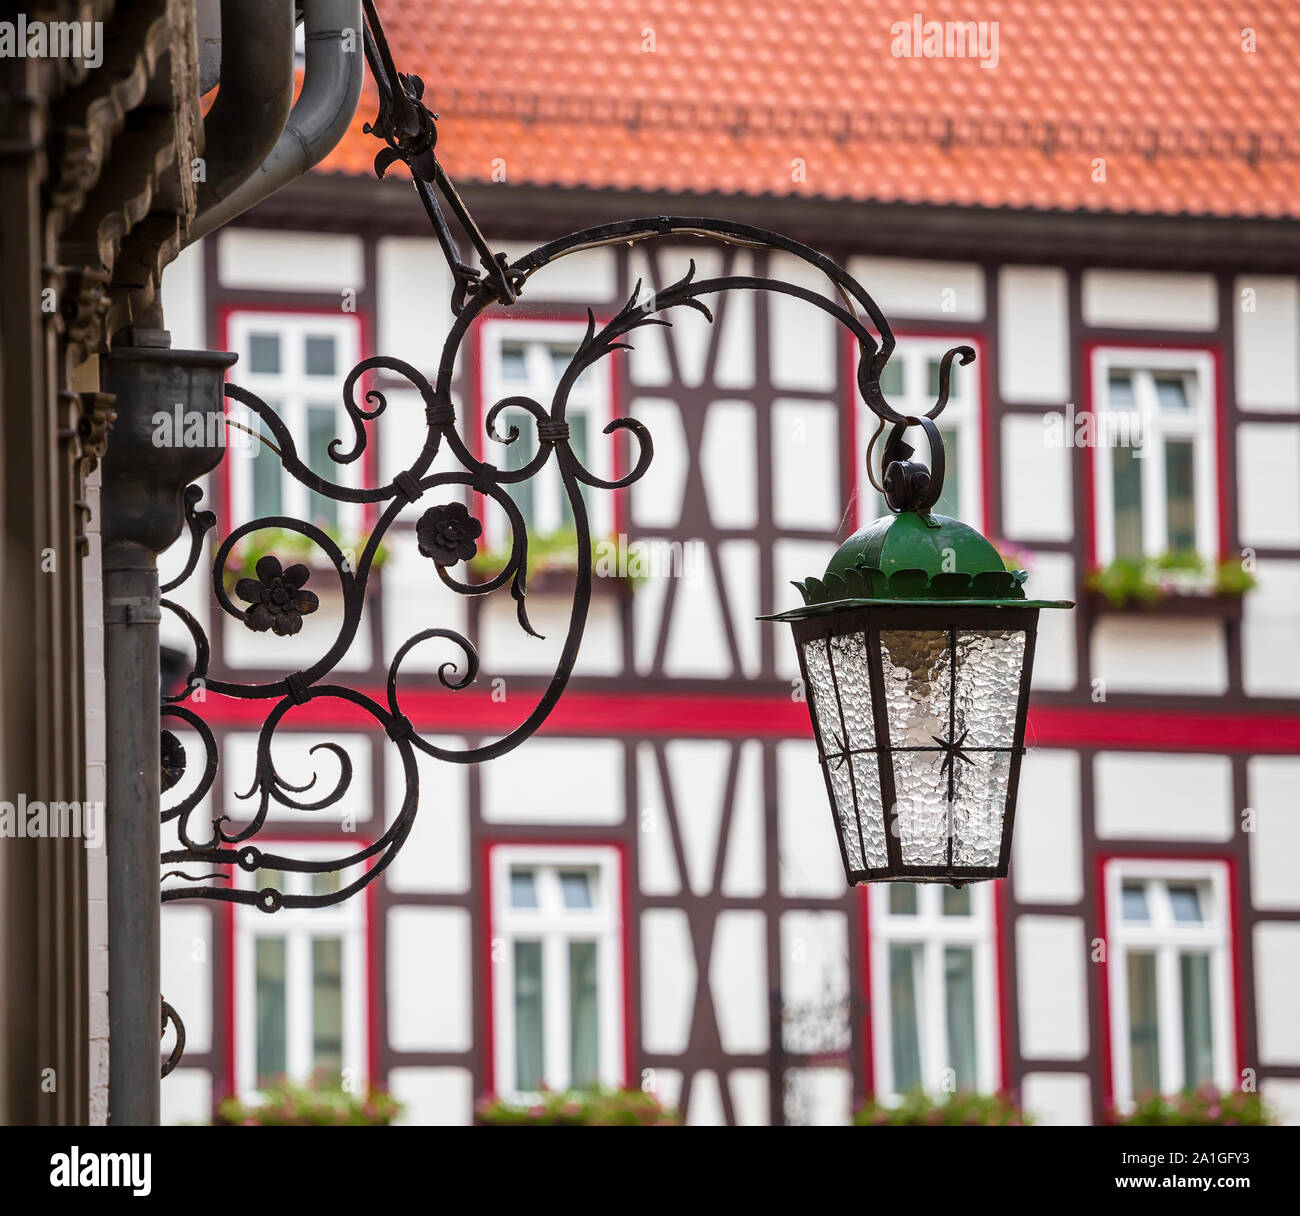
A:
(916, 648)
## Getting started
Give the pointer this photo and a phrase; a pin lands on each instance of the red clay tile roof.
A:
(735, 95)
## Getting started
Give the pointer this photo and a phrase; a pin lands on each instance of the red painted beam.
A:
(766, 717)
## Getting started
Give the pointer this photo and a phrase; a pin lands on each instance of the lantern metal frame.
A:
(870, 623)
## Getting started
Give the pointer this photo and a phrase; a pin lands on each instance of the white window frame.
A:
(1155, 425)
(933, 931)
(591, 396)
(346, 920)
(963, 414)
(289, 392)
(1166, 938)
(556, 926)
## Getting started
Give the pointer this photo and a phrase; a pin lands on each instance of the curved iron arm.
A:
(278, 598)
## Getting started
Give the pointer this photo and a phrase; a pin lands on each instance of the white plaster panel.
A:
(827, 1095)
(433, 1097)
(698, 771)
(1273, 788)
(657, 497)
(586, 277)
(1143, 299)
(435, 856)
(743, 869)
(187, 1096)
(794, 560)
(1034, 334)
(738, 980)
(1282, 1095)
(734, 364)
(810, 859)
(728, 463)
(697, 632)
(805, 465)
(705, 1108)
(414, 294)
(429, 979)
(1058, 1099)
(668, 980)
(1149, 795)
(415, 599)
(1047, 866)
(741, 573)
(1268, 483)
(656, 860)
(802, 337)
(1133, 654)
(187, 971)
(184, 302)
(1270, 631)
(564, 780)
(506, 649)
(909, 287)
(290, 261)
(647, 620)
(691, 334)
(1053, 990)
(814, 956)
(1277, 987)
(1054, 649)
(1268, 343)
(1037, 487)
(749, 1096)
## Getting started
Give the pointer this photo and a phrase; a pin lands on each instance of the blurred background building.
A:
(649, 893)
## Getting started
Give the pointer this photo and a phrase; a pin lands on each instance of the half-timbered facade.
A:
(649, 893)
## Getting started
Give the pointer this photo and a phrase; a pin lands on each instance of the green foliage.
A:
(578, 1108)
(961, 1109)
(312, 1105)
(290, 547)
(1147, 581)
(1204, 1107)
(548, 552)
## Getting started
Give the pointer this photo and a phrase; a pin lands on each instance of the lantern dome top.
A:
(918, 558)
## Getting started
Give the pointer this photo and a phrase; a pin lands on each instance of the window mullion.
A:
(555, 984)
(1169, 1019)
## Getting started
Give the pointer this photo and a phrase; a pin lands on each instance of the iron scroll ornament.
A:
(271, 601)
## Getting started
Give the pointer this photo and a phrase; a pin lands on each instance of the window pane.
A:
(269, 878)
(959, 975)
(321, 432)
(1180, 495)
(932, 367)
(577, 888)
(327, 1008)
(264, 354)
(578, 441)
(325, 883)
(529, 1065)
(905, 1016)
(1143, 1026)
(1127, 476)
(560, 358)
(1198, 1033)
(1119, 391)
(902, 898)
(950, 500)
(956, 901)
(269, 967)
(1171, 393)
(523, 889)
(892, 377)
(517, 455)
(1186, 904)
(584, 1041)
(514, 361)
(268, 476)
(1135, 902)
(319, 355)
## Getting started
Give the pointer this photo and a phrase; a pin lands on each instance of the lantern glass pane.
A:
(978, 809)
(858, 807)
(921, 799)
(849, 658)
(918, 684)
(989, 663)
